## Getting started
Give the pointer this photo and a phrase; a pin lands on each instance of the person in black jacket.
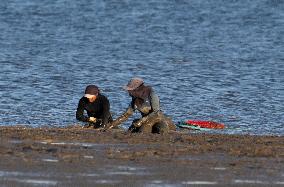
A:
(97, 107)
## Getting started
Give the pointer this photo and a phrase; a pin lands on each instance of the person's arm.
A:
(120, 119)
(155, 101)
(155, 104)
(106, 111)
(80, 112)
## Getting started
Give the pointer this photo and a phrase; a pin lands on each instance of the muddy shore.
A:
(74, 156)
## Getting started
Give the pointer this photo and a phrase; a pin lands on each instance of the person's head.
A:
(133, 84)
(91, 92)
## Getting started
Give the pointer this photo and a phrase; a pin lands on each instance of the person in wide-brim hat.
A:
(147, 102)
(97, 107)
(133, 84)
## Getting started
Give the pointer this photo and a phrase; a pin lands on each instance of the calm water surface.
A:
(210, 60)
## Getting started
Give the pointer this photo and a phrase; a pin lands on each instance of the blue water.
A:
(209, 60)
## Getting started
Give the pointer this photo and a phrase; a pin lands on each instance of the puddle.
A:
(124, 170)
(185, 158)
(157, 182)
(36, 182)
(16, 141)
(58, 143)
(84, 144)
(76, 144)
(221, 169)
(249, 182)
(50, 160)
(88, 157)
(128, 168)
(9, 176)
(200, 182)
(18, 174)
(107, 181)
(88, 175)
(10, 173)
(120, 173)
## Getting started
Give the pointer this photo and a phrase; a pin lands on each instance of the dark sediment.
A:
(74, 156)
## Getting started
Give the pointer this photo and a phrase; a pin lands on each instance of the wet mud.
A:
(75, 156)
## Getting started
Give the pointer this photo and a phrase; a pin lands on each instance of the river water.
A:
(208, 60)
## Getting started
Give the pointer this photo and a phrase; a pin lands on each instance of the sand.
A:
(75, 156)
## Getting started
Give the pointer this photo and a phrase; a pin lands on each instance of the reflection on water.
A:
(208, 60)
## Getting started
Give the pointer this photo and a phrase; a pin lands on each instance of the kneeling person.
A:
(147, 103)
(97, 107)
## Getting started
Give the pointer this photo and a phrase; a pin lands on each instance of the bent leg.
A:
(160, 128)
(145, 128)
(158, 123)
(170, 123)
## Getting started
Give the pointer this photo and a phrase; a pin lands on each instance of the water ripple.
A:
(214, 60)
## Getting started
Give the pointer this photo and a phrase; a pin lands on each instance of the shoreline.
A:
(74, 156)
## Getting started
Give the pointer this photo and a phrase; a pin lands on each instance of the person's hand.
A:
(108, 126)
(92, 119)
(140, 122)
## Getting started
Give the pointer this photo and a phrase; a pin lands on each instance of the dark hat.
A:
(133, 83)
(91, 90)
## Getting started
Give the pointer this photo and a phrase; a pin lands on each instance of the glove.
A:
(120, 119)
(151, 117)
(92, 119)
(140, 122)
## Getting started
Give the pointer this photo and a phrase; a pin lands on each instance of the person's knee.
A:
(160, 128)
(145, 129)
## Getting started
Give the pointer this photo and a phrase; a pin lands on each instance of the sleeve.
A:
(132, 104)
(155, 101)
(106, 111)
(121, 118)
(155, 104)
(80, 112)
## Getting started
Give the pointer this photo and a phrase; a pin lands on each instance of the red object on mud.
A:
(206, 124)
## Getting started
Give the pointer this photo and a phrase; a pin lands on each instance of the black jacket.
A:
(99, 109)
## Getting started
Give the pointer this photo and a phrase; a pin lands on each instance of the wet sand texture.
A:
(74, 156)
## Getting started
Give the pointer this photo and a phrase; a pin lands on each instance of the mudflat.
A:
(75, 156)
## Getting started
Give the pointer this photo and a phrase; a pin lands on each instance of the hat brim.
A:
(89, 95)
(127, 88)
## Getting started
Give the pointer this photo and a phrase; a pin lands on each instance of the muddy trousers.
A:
(157, 123)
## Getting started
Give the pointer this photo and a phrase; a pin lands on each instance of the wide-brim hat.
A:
(133, 84)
